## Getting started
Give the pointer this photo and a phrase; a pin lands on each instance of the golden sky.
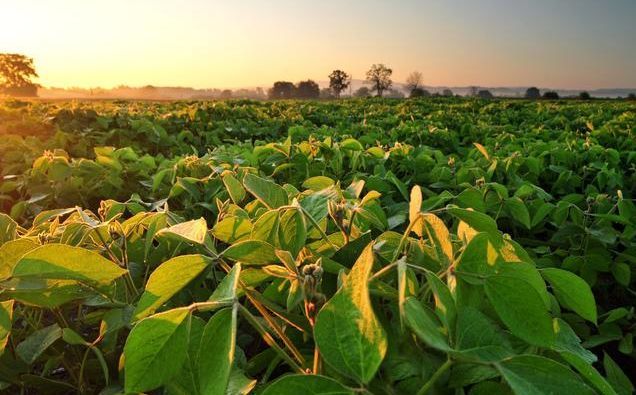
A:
(243, 43)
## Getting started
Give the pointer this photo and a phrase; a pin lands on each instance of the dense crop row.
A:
(442, 246)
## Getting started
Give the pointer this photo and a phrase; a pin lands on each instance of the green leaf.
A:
(8, 228)
(267, 192)
(266, 227)
(37, 343)
(425, 324)
(216, 352)
(347, 331)
(476, 220)
(251, 252)
(306, 384)
(234, 188)
(191, 231)
(10, 254)
(6, 321)
(518, 211)
(318, 183)
(64, 262)
(572, 292)
(520, 307)
(588, 372)
(168, 279)
(292, 231)
(232, 229)
(155, 350)
(479, 338)
(226, 290)
(568, 341)
(444, 302)
(535, 375)
(616, 377)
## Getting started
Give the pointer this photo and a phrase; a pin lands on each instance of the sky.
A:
(568, 44)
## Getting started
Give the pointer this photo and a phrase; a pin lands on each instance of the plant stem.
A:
(438, 373)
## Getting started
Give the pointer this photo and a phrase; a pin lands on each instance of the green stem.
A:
(431, 382)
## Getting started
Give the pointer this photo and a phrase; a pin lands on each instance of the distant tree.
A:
(282, 90)
(551, 95)
(485, 94)
(338, 82)
(631, 96)
(584, 96)
(533, 93)
(447, 92)
(379, 77)
(473, 91)
(394, 93)
(307, 90)
(225, 94)
(413, 82)
(363, 91)
(419, 92)
(16, 75)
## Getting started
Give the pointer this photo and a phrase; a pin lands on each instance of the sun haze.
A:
(570, 44)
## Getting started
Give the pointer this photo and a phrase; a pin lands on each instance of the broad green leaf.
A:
(425, 324)
(226, 290)
(216, 352)
(306, 384)
(518, 211)
(318, 183)
(267, 192)
(45, 293)
(64, 262)
(568, 341)
(239, 384)
(478, 338)
(572, 292)
(476, 220)
(37, 343)
(520, 307)
(535, 375)
(6, 321)
(234, 188)
(586, 370)
(155, 350)
(251, 252)
(266, 227)
(232, 229)
(616, 377)
(168, 279)
(191, 231)
(10, 254)
(349, 335)
(186, 382)
(292, 231)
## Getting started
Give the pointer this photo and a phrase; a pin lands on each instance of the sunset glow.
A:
(245, 43)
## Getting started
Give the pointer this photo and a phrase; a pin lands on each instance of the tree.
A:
(308, 90)
(485, 94)
(551, 95)
(338, 82)
(473, 91)
(282, 90)
(419, 92)
(631, 96)
(225, 94)
(16, 75)
(533, 93)
(413, 82)
(379, 77)
(394, 93)
(447, 92)
(584, 96)
(327, 93)
(363, 91)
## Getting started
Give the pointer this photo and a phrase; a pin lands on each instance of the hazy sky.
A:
(233, 43)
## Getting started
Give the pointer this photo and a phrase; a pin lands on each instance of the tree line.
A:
(18, 71)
